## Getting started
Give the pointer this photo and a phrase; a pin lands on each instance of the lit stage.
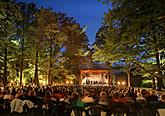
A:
(95, 77)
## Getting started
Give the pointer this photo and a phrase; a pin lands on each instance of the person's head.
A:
(138, 90)
(162, 98)
(74, 89)
(152, 93)
(8, 91)
(144, 92)
(126, 94)
(75, 96)
(86, 93)
(139, 95)
(19, 91)
(103, 94)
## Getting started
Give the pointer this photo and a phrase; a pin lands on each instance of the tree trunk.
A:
(5, 67)
(36, 80)
(21, 71)
(22, 61)
(129, 78)
(159, 77)
(110, 78)
(50, 74)
(50, 65)
(153, 83)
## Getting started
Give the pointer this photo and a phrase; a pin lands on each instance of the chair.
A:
(7, 104)
(135, 109)
(152, 108)
(94, 111)
(89, 104)
(79, 111)
(1, 104)
(119, 109)
(27, 111)
(62, 109)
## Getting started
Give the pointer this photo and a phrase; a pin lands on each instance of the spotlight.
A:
(118, 83)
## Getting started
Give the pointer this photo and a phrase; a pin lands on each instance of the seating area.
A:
(65, 109)
(81, 101)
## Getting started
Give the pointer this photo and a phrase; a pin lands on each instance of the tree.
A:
(135, 29)
(27, 12)
(9, 14)
(41, 31)
(75, 46)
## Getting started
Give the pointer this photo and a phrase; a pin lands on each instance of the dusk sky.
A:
(86, 12)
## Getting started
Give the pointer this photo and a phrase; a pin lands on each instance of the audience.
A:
(87, 98)
(79, 96)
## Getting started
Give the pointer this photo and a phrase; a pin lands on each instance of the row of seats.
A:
(92, 109)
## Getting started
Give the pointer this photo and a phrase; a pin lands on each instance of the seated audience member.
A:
(1, 94)
(24, 95)
(135, 94)
(8, 95)
(117, 98)
(152, 97)
(145, 93)
(162, 98)
(87, 98)
(126, 96)
(75, 100)
(66, 98)
(94, 95)
(18, 94)
(103, 99)
(47, 97)
(32, 93)
(140, 97)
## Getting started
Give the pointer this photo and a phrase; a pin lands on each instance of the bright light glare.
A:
(67, 82)
(118, 83)
(71, 82)
(123, 83)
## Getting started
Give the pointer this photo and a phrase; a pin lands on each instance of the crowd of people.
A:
(78, 96)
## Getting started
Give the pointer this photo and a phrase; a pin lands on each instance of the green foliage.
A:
(37, 41)
(9, 14)
(134, 32)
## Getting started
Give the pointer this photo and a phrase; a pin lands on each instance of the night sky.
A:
(86, 12)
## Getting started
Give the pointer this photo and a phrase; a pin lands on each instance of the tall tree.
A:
(9, 14)
(134, 27)
(27, 12)
(76, 44)
(46, 39)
